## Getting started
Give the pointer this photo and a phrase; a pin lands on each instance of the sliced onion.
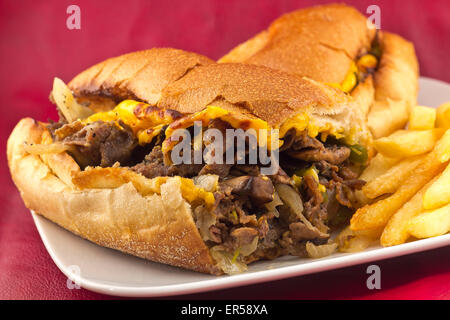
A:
(208, 182)
(272, 206)
(67, 104)
(224, 261)
(349, 241)
(249, 248)
(320, 251)
(204, 219)
(292, 199)
(46, 148)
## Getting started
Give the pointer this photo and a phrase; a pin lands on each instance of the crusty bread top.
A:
(271, 95)
(318, 42)
(398, 73)
(395, 85)
(268, 94)
(138, 75)
(251, 91)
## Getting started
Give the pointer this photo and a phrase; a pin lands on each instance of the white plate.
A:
(111, 272)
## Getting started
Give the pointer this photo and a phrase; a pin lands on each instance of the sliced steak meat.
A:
(326, 169)
(153, 166)
(280, 177)
(347, 174)
(52, 126)
(222, 170)
(288, 140)
(312, 190)
(304, 141)
(259, 189)
(218, 232)
(102, 143)
(244, 236)
(118, 146)
(262, 190)
(355, 184)
(317, 214)
(341, 195)
(333, 154)
(299, 231)
(246, 170)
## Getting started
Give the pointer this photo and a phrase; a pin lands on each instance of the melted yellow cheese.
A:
(189, 190)
(211, 113)
(367, 61)
(350, 79)
(146, 121)
(302, 121)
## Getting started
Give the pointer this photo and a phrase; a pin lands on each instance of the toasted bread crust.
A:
(138, 75)
(249, 90)
(153, 227)
(318, 42)
(396, 86)
(321, 42)
(264, 93)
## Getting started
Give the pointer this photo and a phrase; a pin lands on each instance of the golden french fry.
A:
(396, 231)
(438, 194)
(430, 223)
(443, 116)
(371, 233)
(443, 151)
(391, 180)
(394, 110)
(422, 118)
(378, 214)
(405, 143)
(350, 241)
(377, 166)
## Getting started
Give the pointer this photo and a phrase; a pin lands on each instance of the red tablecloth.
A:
(36, 46)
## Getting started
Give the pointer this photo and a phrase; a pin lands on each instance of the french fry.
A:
(443, 151)
(391, 180)
(371, 233)
(404, 143)
(396, 231)
(438, 194)
(430, 223)
(377, 166)
(443, 116)
(354, 241)
(422, 118)
(378, 214)
(395, 110)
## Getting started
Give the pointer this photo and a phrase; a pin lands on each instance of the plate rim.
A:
(225, 282)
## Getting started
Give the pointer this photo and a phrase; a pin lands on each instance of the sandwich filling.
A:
(362, 67)
(242, 214)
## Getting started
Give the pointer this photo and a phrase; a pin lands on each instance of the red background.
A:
(36, 46)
